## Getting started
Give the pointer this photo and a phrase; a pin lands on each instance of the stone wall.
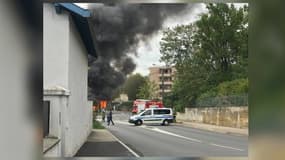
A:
(236, 117)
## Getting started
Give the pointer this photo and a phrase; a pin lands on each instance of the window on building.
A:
(46, 115)
(167, 86)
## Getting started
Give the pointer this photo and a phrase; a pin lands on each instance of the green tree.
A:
(149, 90)
(212, 50)
(176, 45)
(228, 88)
(221, 41)
(132, 85)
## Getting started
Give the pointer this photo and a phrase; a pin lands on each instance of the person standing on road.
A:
(110, 117)
(103, 115)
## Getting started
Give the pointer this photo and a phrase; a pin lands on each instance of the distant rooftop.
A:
(160, 66)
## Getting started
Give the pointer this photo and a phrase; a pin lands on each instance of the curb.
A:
(118, 140)
(217, 129)
(123, 144)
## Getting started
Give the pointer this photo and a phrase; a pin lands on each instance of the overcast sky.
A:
(148, 52)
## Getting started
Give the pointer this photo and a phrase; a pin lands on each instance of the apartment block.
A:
(163, 76)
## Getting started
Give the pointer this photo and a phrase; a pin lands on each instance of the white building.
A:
(124, 97)
(67, 43)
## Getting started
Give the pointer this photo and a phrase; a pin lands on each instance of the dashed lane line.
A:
(180, 136)
(172, 134)
(217, 145)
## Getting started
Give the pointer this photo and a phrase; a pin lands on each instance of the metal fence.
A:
(223, 101)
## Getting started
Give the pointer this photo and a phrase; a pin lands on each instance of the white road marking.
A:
(122, 122)
(187, 138)
(176, 135)
(217, 145)
(172, 134)
(129, 149)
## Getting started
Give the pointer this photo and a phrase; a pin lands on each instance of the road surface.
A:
(176, 140)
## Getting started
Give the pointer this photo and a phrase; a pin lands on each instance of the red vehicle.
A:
(142, 104)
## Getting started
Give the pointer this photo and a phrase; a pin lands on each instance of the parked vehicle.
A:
(142, 104)
(163, 116)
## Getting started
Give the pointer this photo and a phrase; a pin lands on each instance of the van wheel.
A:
(138, 122)
(165, 122)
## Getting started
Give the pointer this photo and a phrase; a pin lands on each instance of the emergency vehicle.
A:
(163, 116)
(142, 104)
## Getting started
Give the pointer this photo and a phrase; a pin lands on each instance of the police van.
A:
(163, 116)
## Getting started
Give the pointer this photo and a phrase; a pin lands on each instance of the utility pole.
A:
(162, 84)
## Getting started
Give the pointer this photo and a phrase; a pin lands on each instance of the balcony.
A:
(165, 74)
(165, 90)
(165, 82)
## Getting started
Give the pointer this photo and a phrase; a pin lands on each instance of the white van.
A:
(163, 116)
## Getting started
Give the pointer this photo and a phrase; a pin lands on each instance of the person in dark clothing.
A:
(110, 118)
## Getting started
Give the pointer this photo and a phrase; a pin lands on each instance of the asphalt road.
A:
(175, 140)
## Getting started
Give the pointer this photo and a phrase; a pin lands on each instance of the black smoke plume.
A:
(117, 30)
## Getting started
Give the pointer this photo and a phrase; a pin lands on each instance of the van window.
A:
(146, 113)
(162, 111)
(156, 111)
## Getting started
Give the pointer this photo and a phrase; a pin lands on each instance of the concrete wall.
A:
(236, 117)
(59, 123)
(55, 151)
(65, 81)
(55, 47)
(79, 109)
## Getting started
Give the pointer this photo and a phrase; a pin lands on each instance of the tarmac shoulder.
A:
(102, 143)
(214, 128)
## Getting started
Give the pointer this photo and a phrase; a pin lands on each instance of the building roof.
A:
(80, 17)
(162, 67)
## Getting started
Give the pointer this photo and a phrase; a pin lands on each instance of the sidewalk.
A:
(101, 143)
(214, 128)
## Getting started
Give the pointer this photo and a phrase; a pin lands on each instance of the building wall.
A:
(236, 117)
(65, 81)
(53, 152)
(124, 97)
(80, 110)
(156, 76)
(55, 47)
(59, 124)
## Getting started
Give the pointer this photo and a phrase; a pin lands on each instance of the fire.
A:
(103, 104)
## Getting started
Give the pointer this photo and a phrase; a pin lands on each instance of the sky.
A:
(148, 52)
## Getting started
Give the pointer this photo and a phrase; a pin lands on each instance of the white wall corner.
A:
(56, 91)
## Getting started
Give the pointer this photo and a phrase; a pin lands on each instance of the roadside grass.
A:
(97, 125)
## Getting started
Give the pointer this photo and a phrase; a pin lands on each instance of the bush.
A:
(97, 125)
(227, 88)
(222, 101)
